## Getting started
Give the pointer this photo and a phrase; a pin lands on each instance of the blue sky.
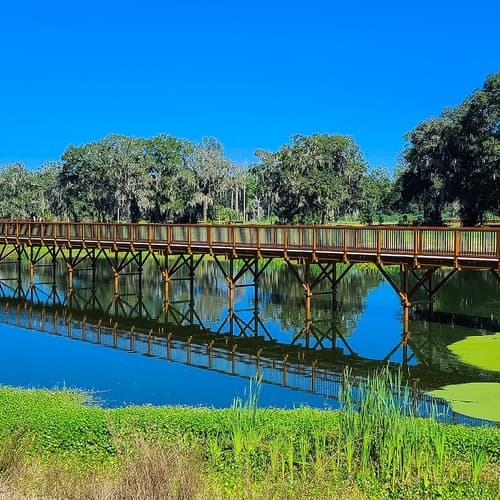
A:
(251, 73)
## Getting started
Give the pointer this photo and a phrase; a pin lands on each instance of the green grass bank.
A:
(54, 445)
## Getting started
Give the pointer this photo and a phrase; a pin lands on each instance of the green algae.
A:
(477, 399)
(481, 351)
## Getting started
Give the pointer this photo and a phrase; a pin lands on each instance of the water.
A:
(119, 348)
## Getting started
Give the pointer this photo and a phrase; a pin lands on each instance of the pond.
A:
(200, 347)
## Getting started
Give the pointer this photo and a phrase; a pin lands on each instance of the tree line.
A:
(450, 166)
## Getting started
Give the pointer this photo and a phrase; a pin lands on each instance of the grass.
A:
(481, 351)
(477, 399)
(56, 446)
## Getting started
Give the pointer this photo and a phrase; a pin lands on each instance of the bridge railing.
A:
(381, 240)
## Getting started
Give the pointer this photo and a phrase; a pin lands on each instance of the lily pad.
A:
(481, 351)
(477, 399)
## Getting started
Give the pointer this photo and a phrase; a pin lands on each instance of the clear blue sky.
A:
(251, 73)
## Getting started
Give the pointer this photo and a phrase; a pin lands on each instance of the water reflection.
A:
(265, 328)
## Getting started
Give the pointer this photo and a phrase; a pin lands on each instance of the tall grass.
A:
(384, 440)
(244, 429)
(373, 448)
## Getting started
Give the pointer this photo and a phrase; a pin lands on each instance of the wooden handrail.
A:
(346, 242)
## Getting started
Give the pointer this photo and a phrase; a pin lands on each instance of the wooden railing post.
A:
(345, 244)
(170, 237)
(150, 237)
(456, 248)
(497, 235)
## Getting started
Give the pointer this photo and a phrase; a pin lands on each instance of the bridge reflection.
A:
(320, 341)
(241, 344)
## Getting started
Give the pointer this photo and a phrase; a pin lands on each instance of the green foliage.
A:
(172, 182)
(26, 193)
(377, 195)
(451, 166)
(315, 179)
(105, 180)
(455, 159)
(57, 423)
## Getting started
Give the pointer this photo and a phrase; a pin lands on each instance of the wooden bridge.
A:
(477, 248)
(419, 251)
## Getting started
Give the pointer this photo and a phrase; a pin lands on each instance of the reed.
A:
(478, 458)
(244, 426)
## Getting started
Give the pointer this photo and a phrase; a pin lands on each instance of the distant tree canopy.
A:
(315, 179)
(157, 179)
(455, 159)
(451, 164)
(27, 193)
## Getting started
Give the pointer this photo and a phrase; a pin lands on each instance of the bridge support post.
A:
(328, 272)
(405, 300)
(70, 269)
(406, 293)
(19, 250)
(165, 277)
(306, 284)
(31, 267)
(169, 269)
(230, 279)
(115, 268)
(116, 283)
(334, 286)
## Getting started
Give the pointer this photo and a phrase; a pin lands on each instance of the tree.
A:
(106, 180)
(316, 178)
(172, 183)
(260, 193)
(16, 187)
(455, 158)
(475, 151)
(377, 188)
(29, 193)
(212, 170)
(45, 190)
(423, 179)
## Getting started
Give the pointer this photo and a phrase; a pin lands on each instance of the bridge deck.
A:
(418, 246)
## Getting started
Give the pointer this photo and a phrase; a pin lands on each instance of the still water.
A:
(198, 350)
